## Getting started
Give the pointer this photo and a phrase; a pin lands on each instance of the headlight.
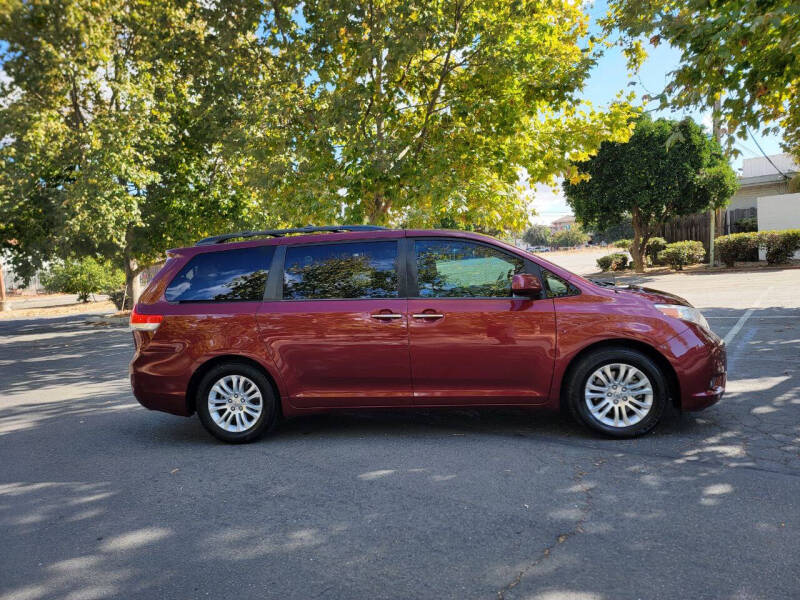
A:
(685, 313)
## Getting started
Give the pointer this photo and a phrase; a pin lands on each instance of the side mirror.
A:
(525, 284)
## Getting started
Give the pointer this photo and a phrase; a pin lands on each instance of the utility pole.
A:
(717, 131)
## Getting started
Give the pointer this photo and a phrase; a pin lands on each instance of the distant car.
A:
(320, 319)
(540, 249)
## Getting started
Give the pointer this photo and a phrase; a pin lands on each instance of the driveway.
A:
(100, 498)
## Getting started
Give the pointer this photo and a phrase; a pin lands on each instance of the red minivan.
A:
(292, 322)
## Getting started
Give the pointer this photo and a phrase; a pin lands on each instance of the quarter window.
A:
(557, 287)
(329, 271)
(450, 268)
(227, 276)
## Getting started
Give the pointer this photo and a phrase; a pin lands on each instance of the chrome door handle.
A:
(386, 316)
(427, 315)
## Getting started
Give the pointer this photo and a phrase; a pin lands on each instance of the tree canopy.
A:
(116, 125)
(569, 238)
(131, 127)
(413, 110)
(667, 168)
(746, 55)
(537, 235)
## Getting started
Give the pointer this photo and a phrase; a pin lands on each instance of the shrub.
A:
(745, 225)
(737, 246)
(85, 276)
(680, 254)
(118, 296)
(654, 247)
(780, 245)
(623, 244)
(613, 262)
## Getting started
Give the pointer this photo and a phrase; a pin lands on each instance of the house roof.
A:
(767, 169)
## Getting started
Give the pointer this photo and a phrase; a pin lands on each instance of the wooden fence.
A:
(690, 227)
(697, 227)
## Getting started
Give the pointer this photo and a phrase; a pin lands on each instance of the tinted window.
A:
(556, 286)
(226, 276)
(357, 270)
(448, 268)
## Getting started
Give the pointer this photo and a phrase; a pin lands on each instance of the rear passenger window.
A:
(328, 271)
(225, 276)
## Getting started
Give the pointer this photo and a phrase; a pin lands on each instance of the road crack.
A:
(561, 538)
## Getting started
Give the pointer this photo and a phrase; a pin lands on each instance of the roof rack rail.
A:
(221, 239)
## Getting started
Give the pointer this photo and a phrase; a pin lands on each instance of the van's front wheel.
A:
(235, 403)
(616, 391)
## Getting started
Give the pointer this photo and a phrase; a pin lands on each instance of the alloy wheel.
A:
(235, 403)
(618, 395)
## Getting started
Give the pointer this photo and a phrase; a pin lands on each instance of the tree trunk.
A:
(639, 244)
(133, 286)
(377, 210)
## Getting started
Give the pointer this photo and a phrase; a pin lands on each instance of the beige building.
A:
(761, 178)
(567, 222)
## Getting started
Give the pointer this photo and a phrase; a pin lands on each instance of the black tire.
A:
(587, 365)
(269, 411)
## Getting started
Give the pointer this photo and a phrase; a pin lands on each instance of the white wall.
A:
(779, 212)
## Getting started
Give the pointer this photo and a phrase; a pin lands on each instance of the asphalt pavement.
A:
(100, 498)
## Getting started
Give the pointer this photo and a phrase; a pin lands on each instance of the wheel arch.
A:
(627, 344)
(203, 368)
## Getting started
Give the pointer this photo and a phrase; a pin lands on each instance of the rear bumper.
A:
(700, 362)
(144, 387)
(158, 383)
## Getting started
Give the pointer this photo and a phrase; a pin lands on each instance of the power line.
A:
(752, 137)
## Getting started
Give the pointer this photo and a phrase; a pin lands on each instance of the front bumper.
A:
(700, 362)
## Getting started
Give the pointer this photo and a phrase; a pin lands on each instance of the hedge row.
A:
(780, 245)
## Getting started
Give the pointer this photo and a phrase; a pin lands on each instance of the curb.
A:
(108, 320)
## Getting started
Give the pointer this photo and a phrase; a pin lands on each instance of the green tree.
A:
(666, 169)
(413, 110)
(117, 119)
(84, 277)
(618, 231)
(537, 235)
(569, 238)
(744, 55)
(133, 126)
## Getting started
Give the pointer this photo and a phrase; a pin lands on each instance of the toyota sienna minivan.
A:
(247, 328)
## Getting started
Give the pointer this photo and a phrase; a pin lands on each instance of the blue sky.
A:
(609, 77)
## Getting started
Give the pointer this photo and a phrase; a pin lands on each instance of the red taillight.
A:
(140, 322)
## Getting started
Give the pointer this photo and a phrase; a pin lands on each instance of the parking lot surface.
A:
(100, 498)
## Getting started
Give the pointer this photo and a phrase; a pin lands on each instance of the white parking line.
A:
(759, 317)
(743, 319)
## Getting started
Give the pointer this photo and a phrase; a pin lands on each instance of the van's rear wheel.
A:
(235, 403)
(618, 392)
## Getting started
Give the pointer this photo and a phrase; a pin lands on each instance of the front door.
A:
(471, 341)
(339, 335)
